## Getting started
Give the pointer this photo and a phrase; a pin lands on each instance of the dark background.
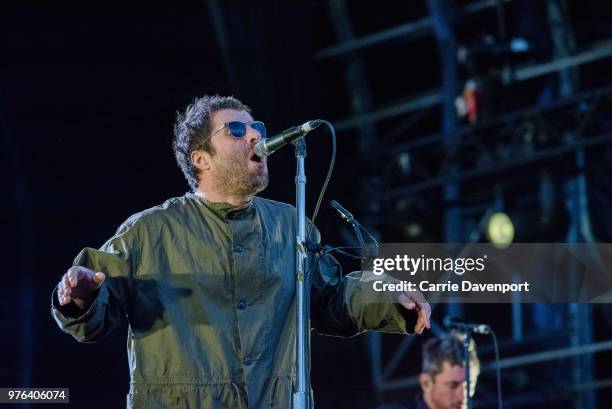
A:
(88, 95)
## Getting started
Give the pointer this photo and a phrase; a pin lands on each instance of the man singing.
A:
(206, 280)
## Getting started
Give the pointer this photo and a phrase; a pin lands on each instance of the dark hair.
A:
(436, 351)
(192, 130)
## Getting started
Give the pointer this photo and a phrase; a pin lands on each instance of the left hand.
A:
(414, 300)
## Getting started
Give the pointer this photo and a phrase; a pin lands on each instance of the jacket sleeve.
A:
(347, 306)
(118, 259)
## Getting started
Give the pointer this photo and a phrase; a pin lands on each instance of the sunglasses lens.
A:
(237, 129)
(259, 127)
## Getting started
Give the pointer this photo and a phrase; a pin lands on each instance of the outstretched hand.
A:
(414, 300)
(79, 284)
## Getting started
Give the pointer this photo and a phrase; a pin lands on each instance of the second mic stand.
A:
(467, 340)
(301, 394)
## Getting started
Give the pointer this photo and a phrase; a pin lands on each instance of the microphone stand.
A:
(466, 348)
(301, 394)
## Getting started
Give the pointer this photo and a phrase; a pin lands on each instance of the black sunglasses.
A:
(238, 129)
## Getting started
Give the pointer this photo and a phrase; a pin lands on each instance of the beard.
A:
(235, 178)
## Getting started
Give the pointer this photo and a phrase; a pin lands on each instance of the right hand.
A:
(79, 284)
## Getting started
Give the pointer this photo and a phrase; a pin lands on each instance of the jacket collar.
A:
(226, 210)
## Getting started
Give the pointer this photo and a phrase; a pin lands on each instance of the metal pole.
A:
(447, 48)
(466, 349)
(301, 395)
(581, 330)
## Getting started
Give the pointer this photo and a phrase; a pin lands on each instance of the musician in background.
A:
(442, 376)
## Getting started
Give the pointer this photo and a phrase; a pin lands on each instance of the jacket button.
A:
(248, 360)
(238, 248)
(241, 305)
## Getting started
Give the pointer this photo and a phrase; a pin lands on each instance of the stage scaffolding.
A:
(489, 150)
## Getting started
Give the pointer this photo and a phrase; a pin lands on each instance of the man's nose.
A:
(460, 394)
(252, 135)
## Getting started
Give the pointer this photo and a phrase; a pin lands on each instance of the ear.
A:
(426, 382)
(200, 159)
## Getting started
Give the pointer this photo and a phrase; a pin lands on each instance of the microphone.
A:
(346, 215)
(266, 147)
(460, 325)
(371, 250)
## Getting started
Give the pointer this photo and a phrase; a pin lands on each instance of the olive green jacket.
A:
(209, 295)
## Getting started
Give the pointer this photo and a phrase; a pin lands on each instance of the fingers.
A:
(414, 300)
(99, 278)
(64, 289)
(69, 281)
(78, 282)
(423, 322)
(426, 310)
(73, 279)
(63, 296)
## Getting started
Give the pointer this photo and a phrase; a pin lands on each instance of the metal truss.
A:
(434, 97)
(501, 144)
(408, 31)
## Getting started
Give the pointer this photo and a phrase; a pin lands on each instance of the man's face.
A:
(444, 390)
(235, 169)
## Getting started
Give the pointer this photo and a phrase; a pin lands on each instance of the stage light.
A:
(500, 230)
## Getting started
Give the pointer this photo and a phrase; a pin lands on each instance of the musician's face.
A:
(444, 390)
(235, 169)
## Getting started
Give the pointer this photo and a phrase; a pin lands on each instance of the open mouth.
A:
(255, 158)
